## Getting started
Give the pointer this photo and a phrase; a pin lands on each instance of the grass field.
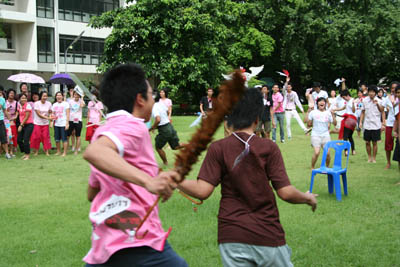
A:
(44, 212)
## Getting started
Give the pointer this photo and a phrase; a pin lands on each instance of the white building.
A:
(39, 31)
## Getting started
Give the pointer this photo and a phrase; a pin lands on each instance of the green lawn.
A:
(44, 212)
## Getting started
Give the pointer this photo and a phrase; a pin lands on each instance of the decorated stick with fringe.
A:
(230, 93)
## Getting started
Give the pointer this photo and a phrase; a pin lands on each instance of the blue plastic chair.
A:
(337, 170)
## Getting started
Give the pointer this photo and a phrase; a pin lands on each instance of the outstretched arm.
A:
(292, 195)
(199, 188)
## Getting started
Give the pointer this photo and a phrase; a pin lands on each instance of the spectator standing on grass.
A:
(69, 95)
(264, 124)
(60, 113)
(332, 99)
(166, 101)
(278, 113)
(372, 121)
(390, 104)
(249, 229)
(358, 104)
(7, 127)
(396, 128)
(75, 120)
(291, 100)
(12, 108)
(41, 133)
(25, 128)
(320, 119)
(3, 132)
(95, 109)
(206, 102)
(125, 178)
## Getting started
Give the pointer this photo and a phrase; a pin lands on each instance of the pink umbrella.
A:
(26, 78)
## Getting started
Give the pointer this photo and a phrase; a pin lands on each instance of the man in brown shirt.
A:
(247, 167)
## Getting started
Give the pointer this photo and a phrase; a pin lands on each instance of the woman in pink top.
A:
(279, 113)
(166, 101)
(94, 116)
(12, 108)
(25, 129)
(124, 181)
(41, 119)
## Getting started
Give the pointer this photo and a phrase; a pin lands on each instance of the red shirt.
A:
(22, 112)
(248, 212)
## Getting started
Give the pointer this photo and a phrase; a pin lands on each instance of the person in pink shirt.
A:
(25, 129)
(125, 181)
(94, 116)
(75, 120)
(166, 101)
(12, 108)
(41, 132)
(279, 113)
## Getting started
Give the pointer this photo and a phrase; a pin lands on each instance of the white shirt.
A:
(389, 106)
(321, 120)
(316, 95)
(340, 103)
(160, 110)
(349, 107)
(60, 111)
(372, 117)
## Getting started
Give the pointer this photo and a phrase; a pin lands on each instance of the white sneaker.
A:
(8, 156)
(73, 149)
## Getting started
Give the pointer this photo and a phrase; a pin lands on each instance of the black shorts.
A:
(396, 153)
(372, 135)
(3, 133)
(75, 126)
(167, 134)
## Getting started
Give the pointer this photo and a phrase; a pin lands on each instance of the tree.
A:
(185, 45)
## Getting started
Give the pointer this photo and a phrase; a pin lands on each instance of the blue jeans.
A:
(143, 256)
(279, 118)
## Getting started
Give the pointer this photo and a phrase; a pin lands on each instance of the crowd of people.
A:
(125, 179)
(26, 119)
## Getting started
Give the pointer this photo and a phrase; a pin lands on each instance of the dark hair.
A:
(165, 91)
(121, 85)
(95, 92)
(35, 93)
(397, 88)
(289, 83)
(20, 86)
(265, 85)
(1, 88)
(344, 92)
(247, 110)
(373, 88)
(23, 94)
(41, 94)
(321, 99)
(75, 92)
(276, 85)
(316, 84)
(394, 82)
(55, 96)
(11, 90)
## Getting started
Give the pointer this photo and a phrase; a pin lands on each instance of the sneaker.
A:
(282, 141)
(73, 149)
(274, 141)
(8, 156)
(307, 130)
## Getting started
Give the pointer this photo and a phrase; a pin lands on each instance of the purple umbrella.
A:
(61, 78)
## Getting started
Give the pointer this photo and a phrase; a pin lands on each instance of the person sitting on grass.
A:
(320, 120)
(125, 180)
(248, 167)
(373, 120)
(166, 132)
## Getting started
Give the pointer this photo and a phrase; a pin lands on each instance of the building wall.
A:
(24, 55)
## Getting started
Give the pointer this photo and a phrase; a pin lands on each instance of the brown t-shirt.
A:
(248, 212)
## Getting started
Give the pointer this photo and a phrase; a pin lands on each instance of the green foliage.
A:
(186, 45)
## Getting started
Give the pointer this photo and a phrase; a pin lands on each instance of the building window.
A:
(6, 42)
(45, 37)
(82, 11)
(45, 8)
(86, 51)
(7, 2)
